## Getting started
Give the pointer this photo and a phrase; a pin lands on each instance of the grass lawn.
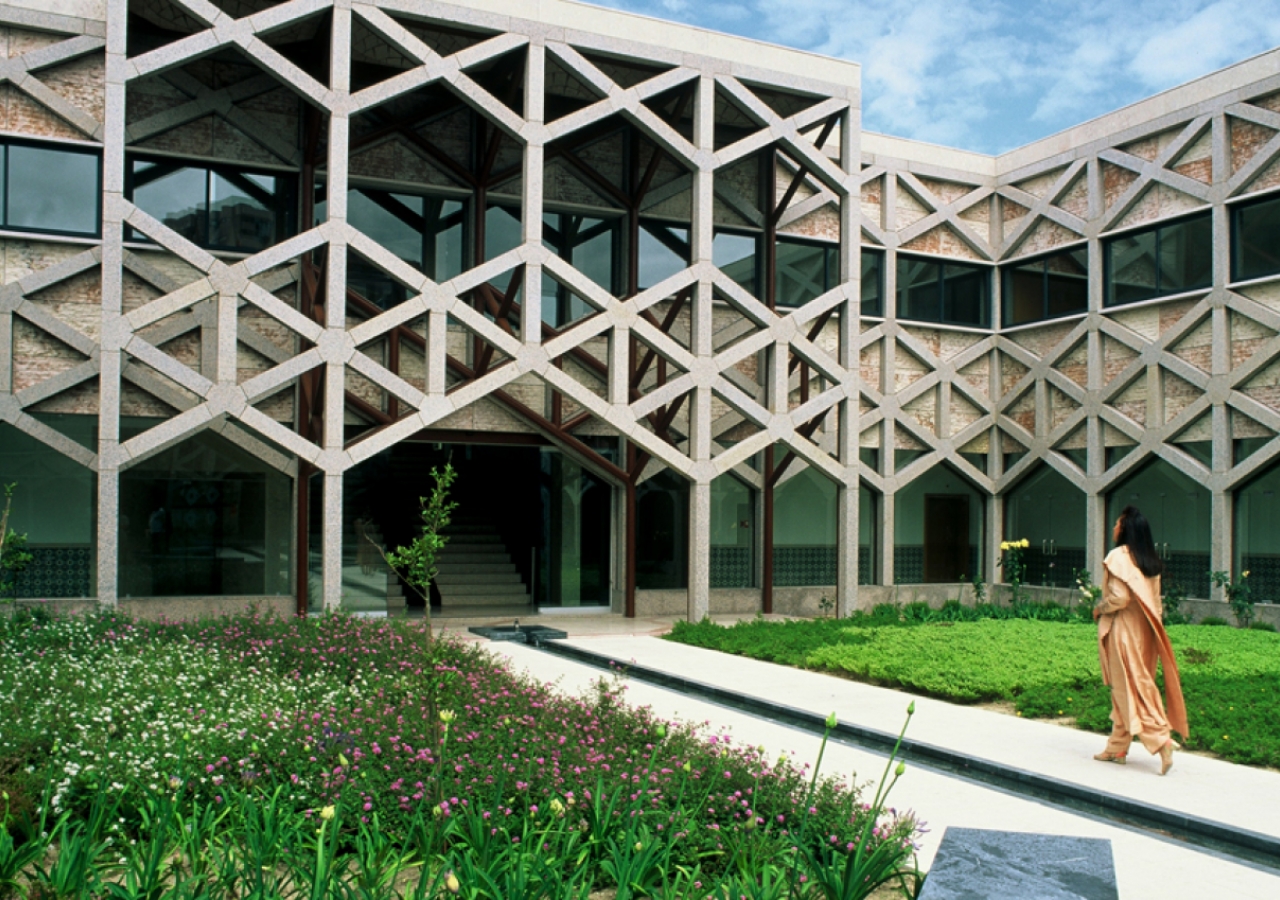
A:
(338, 757)
(1047, 669)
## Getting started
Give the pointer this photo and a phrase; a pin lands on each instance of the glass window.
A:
(1048, 511)
(175, 196)
(662, 527)
(737, 256)
(502, 231)
(55, 506)
(733, 513)
(1178, 510)
(950, 293)
(588, 243)
(664, 251)
(805, 270)
(216, 207)
(1166, 259)
(576, 534)
(1257, 534)
(1045, 288)
(872, 283)
(393, 220)
(425, 232)
(1256, 236)
(49, 189)
(204, 518)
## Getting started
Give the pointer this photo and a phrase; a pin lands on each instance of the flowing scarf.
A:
(1119, 564)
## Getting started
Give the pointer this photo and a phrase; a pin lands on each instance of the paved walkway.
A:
(1146, 866)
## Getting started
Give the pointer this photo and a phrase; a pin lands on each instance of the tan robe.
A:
(1131, 638)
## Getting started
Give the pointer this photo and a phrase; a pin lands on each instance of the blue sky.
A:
(991, 75)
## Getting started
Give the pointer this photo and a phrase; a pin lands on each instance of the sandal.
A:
(1107, 756)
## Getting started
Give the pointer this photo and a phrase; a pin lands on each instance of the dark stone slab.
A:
(523, 634)
(976, 864)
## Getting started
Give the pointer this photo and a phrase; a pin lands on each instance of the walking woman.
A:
(1131, 638)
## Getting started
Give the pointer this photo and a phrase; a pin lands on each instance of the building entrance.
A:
(532, 528)
(946, 537)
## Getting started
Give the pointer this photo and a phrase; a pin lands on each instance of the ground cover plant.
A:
(1042, 658)
(338, 757)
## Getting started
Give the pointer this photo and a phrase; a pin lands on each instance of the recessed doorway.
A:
(946, 537)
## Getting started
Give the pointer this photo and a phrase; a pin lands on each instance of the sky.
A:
(992, 75)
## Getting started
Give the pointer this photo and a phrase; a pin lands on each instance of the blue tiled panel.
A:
(814, 566)
(731, 567)
(57, 572)
(1191, 570)
(908, 564)
(1053, 571)
(804, 566)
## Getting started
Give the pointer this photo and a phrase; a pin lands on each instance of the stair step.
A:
(481, 600)
(456, 568)
(497, 558)
(473, 546)
(485, 577)
(491, 589)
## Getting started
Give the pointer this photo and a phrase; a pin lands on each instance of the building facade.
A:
(693, 341)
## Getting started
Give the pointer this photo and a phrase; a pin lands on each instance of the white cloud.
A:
(1216, 36)
(992, 74)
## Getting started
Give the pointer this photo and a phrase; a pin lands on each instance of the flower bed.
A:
(430, 742)
(1047, 669)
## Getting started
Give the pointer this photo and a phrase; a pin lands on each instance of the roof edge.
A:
(637, 29)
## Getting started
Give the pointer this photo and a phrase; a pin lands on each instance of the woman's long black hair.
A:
(1135, 534)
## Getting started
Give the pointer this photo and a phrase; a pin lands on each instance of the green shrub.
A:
(886, 613)
(1214, 620)
(1262, 626)
(917, 611)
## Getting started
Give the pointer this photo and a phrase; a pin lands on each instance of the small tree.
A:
(415, 562)
(13, 554)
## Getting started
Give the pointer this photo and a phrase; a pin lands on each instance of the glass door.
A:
(576, 542)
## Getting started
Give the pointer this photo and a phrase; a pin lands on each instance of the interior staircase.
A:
(475, 569)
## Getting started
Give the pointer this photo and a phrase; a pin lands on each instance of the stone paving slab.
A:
(1242, 796)
(1146, 866)
(1010, 865)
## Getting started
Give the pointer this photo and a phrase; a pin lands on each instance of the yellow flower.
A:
(451, 884)
(557, 807)
(327, 813)
(639, 846)
(342, 761)
(447, 716)
(1244, 574)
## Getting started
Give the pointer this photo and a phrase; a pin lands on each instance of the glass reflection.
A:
(52, 190)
